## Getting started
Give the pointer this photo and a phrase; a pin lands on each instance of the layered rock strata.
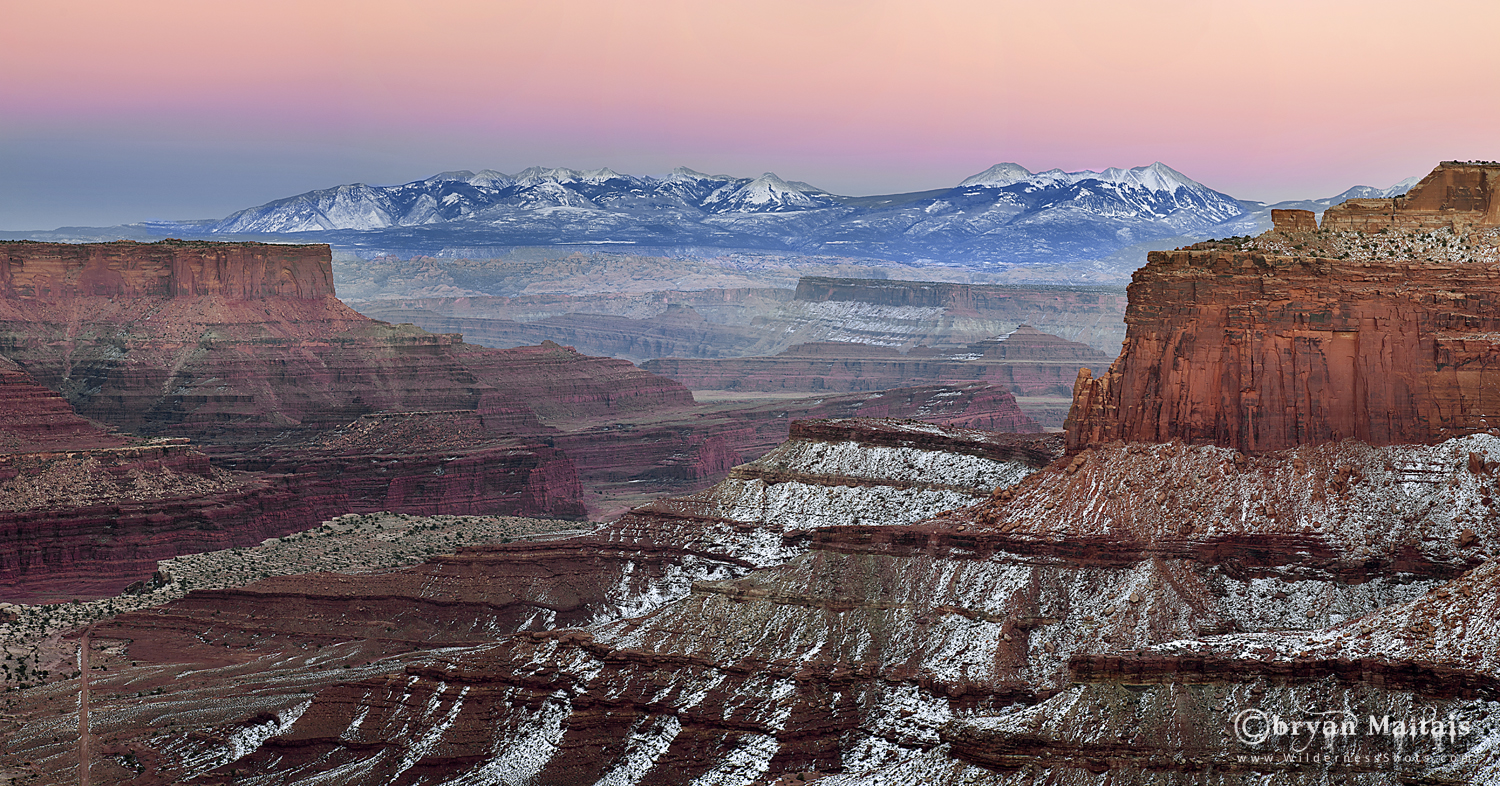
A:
(84, 512)
(1260, 350)
(888, 648)
(775, 635)
(891, 472)
(678, 331)
(34, 419)
(88, 523)
(1035, 364)
(239, 343)
(169, 269)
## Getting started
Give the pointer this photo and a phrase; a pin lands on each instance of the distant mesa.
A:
(171, 268)
(1026, 362)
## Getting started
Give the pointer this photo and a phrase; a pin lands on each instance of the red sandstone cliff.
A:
(171, 268)
(34, 419)
(1262, 346)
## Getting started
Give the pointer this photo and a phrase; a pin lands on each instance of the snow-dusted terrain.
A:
(1005, 216)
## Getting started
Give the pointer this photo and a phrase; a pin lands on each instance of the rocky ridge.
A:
(986, 221)
(637, 564)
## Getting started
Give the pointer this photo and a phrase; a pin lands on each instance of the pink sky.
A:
(119, 112)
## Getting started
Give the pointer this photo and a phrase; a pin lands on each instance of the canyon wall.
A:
(171, 268)
(34, 419)
(1262, 351)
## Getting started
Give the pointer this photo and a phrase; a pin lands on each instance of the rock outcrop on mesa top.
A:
(1304, 337)
(1458, 195)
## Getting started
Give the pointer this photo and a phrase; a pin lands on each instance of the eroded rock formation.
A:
(1264, 349)
(892, 649)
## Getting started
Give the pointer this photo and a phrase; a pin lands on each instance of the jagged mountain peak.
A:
(772, 180)
(998, 176)
(601, 175)
(534, 174)
(684, 173)
(1002, 216)
(1154, 177)
(1370, 192)
(443, 177)
(491, 178)
(767, 194)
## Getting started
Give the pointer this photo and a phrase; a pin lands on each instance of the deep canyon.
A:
(1277, 502)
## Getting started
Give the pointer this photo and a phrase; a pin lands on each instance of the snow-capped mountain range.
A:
(1004, 216)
